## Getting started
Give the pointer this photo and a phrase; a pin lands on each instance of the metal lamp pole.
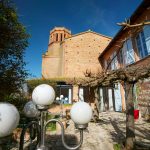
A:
(61, 106)
(81, 113)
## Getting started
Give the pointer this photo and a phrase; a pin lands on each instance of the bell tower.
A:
(52, 60)
(58, 34)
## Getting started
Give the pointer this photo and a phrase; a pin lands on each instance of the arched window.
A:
(56, 36)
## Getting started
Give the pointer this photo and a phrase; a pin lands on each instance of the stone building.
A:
(130, 46)
(69, 56)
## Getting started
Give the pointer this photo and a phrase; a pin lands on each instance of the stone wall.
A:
(143, 97)
(80, 53)
(71, 57)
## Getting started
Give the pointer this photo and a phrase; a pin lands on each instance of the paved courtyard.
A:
(102, 135)
(111, 130)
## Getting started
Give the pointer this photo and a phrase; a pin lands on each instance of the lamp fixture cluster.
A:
(42, 97)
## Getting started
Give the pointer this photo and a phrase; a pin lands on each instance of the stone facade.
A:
(71, 55)
(81, 51)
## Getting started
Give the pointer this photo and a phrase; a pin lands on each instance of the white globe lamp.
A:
(81, 113)
(9, 119)
(43, 95)
(30, 110)
(66, 98)
(57, 98)
(61, 96)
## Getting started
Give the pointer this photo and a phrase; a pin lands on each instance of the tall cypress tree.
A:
(13, 41)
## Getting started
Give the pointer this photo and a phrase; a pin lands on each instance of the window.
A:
(128, 52)
(66, 91)
(108, 63)
(56, 36)
(120, 57)
(143, 42)
(114, 62)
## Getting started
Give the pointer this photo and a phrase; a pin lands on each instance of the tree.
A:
(13, 41)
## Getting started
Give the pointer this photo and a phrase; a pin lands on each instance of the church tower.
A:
(52, 60)
(58, 34)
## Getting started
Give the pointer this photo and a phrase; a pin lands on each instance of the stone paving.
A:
(102, 135)
(111, 130)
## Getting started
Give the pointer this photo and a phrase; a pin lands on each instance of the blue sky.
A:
(40, 16)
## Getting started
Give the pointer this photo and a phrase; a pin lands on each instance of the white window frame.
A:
(143, 42)
(128, 52)
(114, 61)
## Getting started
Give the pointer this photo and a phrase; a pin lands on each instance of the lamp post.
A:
(57, 98)
(60, 99)
(81, 113)
(61, 105)
(31, 112)
(66, 99)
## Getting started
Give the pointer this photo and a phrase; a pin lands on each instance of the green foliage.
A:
(18, 101)
(35, 82)
(135, 104)
(136, 93)
(13, 41)
(51, 126)
(66, 105)
(138, 89)
(117, 147)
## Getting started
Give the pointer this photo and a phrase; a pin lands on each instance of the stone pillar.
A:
(75, 93)
(123, 97)
(101, 100)
(59, 36)
(110, 98)
(62, 36)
